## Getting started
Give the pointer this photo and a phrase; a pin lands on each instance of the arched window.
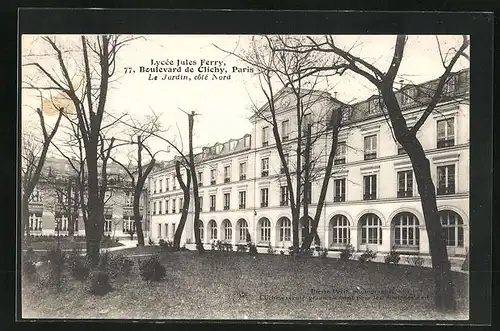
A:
(228, 230)
(200, 229)
(405, 229)
(340, 230)
(285, 229)
(212, 225)
(265, 230)
(243, 229)
(452, 228)
(371, 233)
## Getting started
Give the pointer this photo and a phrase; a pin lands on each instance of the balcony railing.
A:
(370, 196)
(264, 173)
(283, 203)
(242, 206)
(212, 182)
(212, 208)
(339, 161)
(227, 180)
(339, 198)
(226, 207)
(243, 177)
(405, 193)
(446, 190)
(370, 156)
(263, 204)
(442, 143)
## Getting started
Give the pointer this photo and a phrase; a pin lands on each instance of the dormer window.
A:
(449, 86)
(408, 96)
(374, 106)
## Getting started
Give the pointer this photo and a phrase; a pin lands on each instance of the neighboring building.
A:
(372, 200)
(54, 202)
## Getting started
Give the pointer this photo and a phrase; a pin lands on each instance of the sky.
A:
(224, 106)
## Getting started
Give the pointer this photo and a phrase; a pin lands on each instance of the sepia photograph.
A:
(244, 176)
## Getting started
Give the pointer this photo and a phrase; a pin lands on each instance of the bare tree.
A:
(186, 187)
(92, 69)
(383, 80)
(33, 154)
(291, 72)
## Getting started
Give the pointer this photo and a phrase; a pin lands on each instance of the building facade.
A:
(54, 202)
(372, 200)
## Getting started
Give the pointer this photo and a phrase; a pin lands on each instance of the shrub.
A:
(151, 269)
(291, 250)
(270, 249)
(465, 265)
(347, 252)
(212, 245)
(252, 249)
(150, 242)
(115, 265)
(99, 283)
(166, 245)
(305, 252)
(56, 260)
(415, 260)
(324, 253)
(282, 252)
(367, 255)
(78, 265)
(241, 248)
(393, 257)
(29, 267)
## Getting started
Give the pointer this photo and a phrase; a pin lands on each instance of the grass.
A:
(222, 285)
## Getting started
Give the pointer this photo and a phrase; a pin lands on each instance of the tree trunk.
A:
(444, 293)
(197, 238)
(25, 221)
(185, 205)
(137, 217)
(95, 223)
(307, 150)
(71, 219)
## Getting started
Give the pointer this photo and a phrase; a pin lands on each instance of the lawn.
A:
(222, 285)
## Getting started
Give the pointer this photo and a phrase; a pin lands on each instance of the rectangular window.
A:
(160, 207)
(212, 203)
(340, 153)
(181, 205)
(370, 187)
(166, 206)
(159, 230)
(227, 174)
(173, 206)
(339, 185)
(405, 184)
(306, 121)
(371, 147)
(154, 186)
(168, 184)
(446, 180)
(174, 183)
(408, 96)
(173, 229)
(284, 196)
(227, 201)
(264, 197)
(129, 199)
(285, 130)
(243, 199)
(161, 185)
(265, 167)
(213, 176)
(445, 133)
(154, 208)
(166, 230)
(243, 171)
(201, 203)
(200, 178)
(265, 136)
